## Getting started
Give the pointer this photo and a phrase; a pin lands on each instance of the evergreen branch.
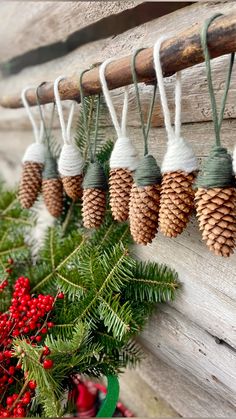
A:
(116, 316)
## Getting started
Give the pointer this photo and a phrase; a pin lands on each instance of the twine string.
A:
(145, 127)
(66, 130)
(172, 134)
(38, 133)
(120, 128)
(46, 131)
(85, 118)
(217, 121)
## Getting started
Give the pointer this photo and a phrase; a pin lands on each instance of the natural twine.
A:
(217, 171)
(95, 177)
(148, 171)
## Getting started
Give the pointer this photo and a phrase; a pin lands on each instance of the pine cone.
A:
(94, 207)
(216, 212)
(120, 182)
(143, 212)
(73, 186)
(177, 202)
(30, 184)
(53, 196)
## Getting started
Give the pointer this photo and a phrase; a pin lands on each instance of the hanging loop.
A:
(173, 134)
(86, 118)
(217, 120)
(145, 127)
(38, 133)
(120, 128)
(66, 130)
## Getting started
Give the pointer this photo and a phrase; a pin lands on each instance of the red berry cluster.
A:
(28, 318)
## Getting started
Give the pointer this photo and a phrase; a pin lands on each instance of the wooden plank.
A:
(196, 104)
(188, 348)
(58, 20)
(177, 53)
(141, 398)
(187, 397)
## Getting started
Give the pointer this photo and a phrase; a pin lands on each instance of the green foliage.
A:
(108, 295)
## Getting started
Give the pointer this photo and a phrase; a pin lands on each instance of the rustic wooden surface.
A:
(176, 53)
(58, 20)
(188, 367)
(187, 397)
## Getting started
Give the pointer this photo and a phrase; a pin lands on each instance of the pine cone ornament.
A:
(120, 184)
(53, 196)
(216, 212)
(144, 208)
(70, 166)
(94, 196)
(177, 202)
(31, 177)
(216, 203)
(124, 160)
(94, 207)
(73, 186)
(52, 187)
(30, 184)
(145, 201)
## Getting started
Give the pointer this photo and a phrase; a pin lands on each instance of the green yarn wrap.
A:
(148, 172)
(95, 177)
(217, 171)
(50, 167)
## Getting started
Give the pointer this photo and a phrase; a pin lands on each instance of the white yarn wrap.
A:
(234, 160)
(70, 162)
(179, 154)
(124, 154)
(35, 152)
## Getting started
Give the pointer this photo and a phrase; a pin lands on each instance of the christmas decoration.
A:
(215, 196)
(70, 164)
(52, 186)
(33, 160)
(94, 184)
(145, 192)
(179, 164)
(124, 157)
(99, 299)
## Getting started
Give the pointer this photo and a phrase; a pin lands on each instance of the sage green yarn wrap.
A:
(50, 168)
(95, 177)
(217, 171)
(148, 172)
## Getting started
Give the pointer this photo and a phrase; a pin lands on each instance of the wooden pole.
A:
(177, 53)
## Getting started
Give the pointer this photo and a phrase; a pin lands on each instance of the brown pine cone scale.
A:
(120, 184)
(143, 212)
(177, 202)
(30, 184)
(53, 196)
(73, 186)
(94, 207)
(216, 211)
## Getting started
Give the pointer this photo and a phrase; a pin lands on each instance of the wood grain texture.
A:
(144, 35)
(187, 397)
(181, 343)
(58, 20)
(177, 53)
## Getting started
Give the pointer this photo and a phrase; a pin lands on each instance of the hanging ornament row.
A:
(137, 189)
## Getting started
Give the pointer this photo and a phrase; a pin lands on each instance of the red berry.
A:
(47, 364)
(32, 385)
(46, 350)
(60, 295)
(38, 338)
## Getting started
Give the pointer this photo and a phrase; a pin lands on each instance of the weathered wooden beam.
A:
(177, 53)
